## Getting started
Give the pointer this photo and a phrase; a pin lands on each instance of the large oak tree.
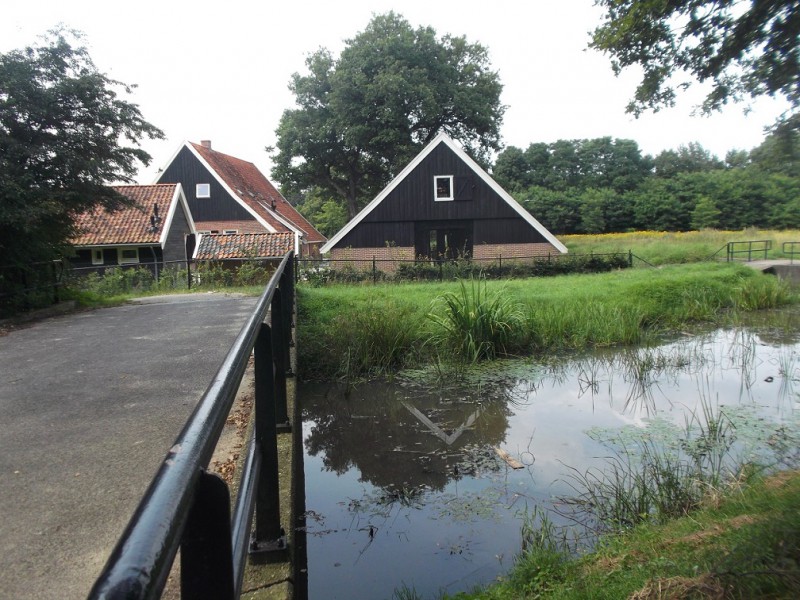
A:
(362, 116)
(65, 134)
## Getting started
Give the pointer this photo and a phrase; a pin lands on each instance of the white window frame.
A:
(127, 261)
(95, 253)
(202, 190)
(436, 196)
(230, 231)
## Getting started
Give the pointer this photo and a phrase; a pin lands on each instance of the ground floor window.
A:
(97, 256)
(127, 256)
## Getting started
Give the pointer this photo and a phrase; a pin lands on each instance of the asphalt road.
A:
(90, 403)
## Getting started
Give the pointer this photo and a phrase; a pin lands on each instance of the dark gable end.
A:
(186, 169)
(472, 202)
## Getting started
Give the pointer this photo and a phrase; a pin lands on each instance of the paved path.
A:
(90, 404)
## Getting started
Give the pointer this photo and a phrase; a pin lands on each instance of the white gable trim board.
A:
(178, 197)
(445, 139)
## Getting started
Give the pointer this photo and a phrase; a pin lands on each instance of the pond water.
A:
(405, 485)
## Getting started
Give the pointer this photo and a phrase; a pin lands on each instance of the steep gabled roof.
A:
(222, 246)
(443, 138)
(247, 185)
(133, 224)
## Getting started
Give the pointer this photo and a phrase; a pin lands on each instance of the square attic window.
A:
(443, 187)
(202, 190)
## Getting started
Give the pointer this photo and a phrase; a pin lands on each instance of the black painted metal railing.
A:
(187, 507)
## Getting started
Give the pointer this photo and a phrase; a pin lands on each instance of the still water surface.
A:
(404, 484)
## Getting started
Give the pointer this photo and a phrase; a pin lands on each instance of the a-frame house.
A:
(442, 205)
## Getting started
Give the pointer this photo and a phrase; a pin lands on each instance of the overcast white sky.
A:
(220, 70)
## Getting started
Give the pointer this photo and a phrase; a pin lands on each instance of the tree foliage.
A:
(579, 186)
(363, 116)
(593, 163)
(65, 133)
(742, 49)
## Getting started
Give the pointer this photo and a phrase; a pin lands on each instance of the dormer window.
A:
(202, 190)
(443, 187)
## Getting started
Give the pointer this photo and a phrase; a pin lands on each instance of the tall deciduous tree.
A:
(743, 49)
(65, 133)
(362, 116)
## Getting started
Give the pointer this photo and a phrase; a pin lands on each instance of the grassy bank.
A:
(348, 331)
(745, 545)
(662, 248)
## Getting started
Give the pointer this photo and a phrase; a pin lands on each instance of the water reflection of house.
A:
(150, 231)
(394, 439)
(442, 205)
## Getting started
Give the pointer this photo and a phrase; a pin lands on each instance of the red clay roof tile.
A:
(221, 246)
(129, 225)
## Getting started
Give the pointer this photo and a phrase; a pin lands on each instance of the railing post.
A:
(206, 551)
(280, 356)
(374, 272)
(268, 532)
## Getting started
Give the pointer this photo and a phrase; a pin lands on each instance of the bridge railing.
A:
(748, 250)
(188, 508)
(791, 249)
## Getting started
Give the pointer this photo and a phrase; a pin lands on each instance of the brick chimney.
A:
(206, 144)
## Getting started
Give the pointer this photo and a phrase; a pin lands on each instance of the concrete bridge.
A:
(785, 269)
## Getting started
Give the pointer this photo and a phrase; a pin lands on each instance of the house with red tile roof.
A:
(228, 195)
(151, 231)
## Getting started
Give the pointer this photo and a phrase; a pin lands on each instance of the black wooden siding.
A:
(412, 201)
(175, 244)
(187, 170)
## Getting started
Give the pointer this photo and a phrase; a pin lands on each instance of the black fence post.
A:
(268, 532)
(280, 356)
(500, 267)
(630, 258)
(54, 272)
(206, 551)
(287, 286)
(374, 272)
(188, 274)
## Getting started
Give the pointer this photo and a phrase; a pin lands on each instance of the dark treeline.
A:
(606, 185)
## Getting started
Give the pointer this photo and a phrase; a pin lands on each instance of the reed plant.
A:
(475, 322)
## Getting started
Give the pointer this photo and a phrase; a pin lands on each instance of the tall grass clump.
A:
(475, 322)
(659, 474)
